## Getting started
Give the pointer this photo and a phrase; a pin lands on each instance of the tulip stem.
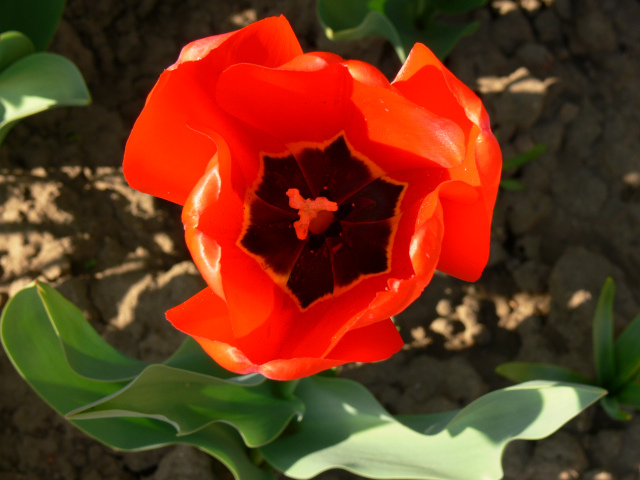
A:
(286, 389)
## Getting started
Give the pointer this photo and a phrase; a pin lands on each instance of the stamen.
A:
(315, 214)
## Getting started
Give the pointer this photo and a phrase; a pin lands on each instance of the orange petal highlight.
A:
(164, 156)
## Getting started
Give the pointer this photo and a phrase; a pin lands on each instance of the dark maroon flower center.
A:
(322, 220)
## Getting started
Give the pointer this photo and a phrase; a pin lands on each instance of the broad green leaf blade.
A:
(338, 15)
(39, 82)
(630, 396)
(603, 350)
(523, 372)
(36, 352)
(13, 46)
(87, 353)
(417, 23)
(428, 423)
(135, 434)
(402, 22)
(33, 346)
(190, 401)
(345, 427)
(612, 408)
(526, 157)
(357, 19)
(224, 443)
(37, 19)
(627, 354)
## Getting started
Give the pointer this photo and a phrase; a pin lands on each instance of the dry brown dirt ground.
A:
(559, 72)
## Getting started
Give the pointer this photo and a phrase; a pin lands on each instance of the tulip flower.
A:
(319, 198)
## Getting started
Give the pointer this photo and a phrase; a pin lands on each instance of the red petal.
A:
(467, 203)
(228, 357)
(467, 210)
(366, 73)
(292, 106)
(235, 360)
(213, 218)
(424, 80)
(198, 49)
(372, 343)
(270, 334)
(420, 256)
(385, 121)
(310, 62)
(330, 58)
(489, 162)
(449, 97)
(368, 344)
(164, 156)
(309, 105)
(204, 315)
(314, 106)
(467, 231)
(266, 322)
(291, 369)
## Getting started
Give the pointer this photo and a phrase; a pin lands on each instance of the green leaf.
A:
(428, 423)
(357, 19)
(603, 350)
(523, 372)
(402, 22)
(190, 401)
(520, 160)
(627, 354)
(38, 19)
(38, 82)
(441, 37)
(629, 396)
(35, 350)
(87, 353)
(512, 185)
(612, 408)
(345, 427)
(13, 46)
(224, 443)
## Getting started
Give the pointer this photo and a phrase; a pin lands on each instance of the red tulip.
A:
(318, 197)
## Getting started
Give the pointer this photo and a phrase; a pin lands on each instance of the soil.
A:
(559, 72)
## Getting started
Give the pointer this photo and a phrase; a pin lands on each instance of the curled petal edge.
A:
(388, 342)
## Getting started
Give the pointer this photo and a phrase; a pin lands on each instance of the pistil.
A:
(315, 214)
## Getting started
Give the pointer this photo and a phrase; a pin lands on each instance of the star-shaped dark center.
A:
(322, 220)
